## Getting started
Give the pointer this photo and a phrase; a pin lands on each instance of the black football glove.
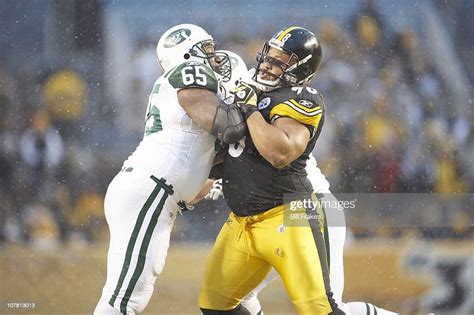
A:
(245, 97)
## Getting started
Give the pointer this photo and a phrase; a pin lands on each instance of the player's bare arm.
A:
(201, 105)
(283, 137)
(204, 191)
(222, 120)
(281, 143)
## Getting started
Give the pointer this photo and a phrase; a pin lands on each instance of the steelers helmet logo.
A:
(241, 94)
(306, 103)
(264, 102)
(177, 37)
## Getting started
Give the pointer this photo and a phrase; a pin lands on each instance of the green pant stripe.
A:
(132, 241)
(160, 184)
(142, 255)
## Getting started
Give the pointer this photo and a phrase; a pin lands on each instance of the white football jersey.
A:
(174, 147)
(315, 176)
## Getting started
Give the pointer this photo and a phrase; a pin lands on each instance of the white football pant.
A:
(140, 213)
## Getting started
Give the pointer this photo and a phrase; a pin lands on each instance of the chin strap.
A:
(261, 85)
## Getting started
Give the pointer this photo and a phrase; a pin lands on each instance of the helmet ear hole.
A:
(187, 56)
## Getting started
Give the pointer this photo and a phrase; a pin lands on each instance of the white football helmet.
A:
(238, 72)
(189, 42)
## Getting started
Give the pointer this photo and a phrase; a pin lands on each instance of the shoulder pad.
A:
(303, 104)
(193, 74)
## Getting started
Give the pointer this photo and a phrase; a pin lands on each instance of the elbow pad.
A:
(229, 124)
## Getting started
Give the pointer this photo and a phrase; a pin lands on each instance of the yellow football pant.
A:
(246, 249)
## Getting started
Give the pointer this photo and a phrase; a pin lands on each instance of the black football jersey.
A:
(251, 184)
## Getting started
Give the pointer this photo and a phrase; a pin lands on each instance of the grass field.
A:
(69, 280)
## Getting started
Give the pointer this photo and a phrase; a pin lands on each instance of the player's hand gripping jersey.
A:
(174, 147)
(268, 184)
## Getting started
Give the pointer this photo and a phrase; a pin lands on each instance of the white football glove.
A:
(216, 190)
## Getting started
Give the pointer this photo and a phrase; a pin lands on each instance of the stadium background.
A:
(397, 77)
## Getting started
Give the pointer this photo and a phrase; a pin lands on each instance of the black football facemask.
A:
(285, 78)
(218, 61)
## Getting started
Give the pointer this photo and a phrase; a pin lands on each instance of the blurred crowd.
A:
(391, 126)
(52, 185)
